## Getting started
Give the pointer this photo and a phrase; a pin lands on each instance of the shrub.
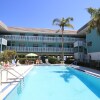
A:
(69, 61)
(7, 55)
(53, 60)
(22, 60)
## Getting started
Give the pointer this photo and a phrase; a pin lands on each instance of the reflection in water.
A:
(20, 87)
(66, 75)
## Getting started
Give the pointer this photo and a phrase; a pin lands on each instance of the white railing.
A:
(79, 43)
(39, 38)
(39, 49)
(3, 41)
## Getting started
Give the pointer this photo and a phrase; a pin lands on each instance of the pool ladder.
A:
(15, 79)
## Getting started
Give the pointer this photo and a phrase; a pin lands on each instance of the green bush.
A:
(22, 60)
(7, 55)
(53, 60)
(69, 61)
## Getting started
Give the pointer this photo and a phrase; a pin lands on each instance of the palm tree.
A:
(63, 22)
(95, 22)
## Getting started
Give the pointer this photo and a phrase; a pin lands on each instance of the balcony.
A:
(3, 41)
(79, 43)
(40, 49)
(39, 38)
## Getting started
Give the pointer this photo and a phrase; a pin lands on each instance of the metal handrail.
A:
(4, 69)
(16, 72)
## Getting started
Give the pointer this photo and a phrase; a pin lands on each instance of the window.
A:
(13, 43)
(85, 50)
(23, 34)
(35, 45)
(22, 45)
(50, 45)
(60, 35)
(80, 49)
(9, 43)
(89, 43)
(60, 45)
(75, 49)
(35, 34)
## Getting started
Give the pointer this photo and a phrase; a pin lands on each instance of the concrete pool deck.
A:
(5, 88)
(87, 70)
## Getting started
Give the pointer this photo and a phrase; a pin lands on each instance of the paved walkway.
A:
(6, 87)
(88, 70)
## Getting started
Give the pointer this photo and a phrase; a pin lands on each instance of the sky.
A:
(40, 13)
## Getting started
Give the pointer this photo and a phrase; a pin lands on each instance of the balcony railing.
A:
(39, 49)
(39, 38)
(79, 43)
(3, 41)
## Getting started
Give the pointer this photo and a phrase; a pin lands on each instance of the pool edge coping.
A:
(9, 88)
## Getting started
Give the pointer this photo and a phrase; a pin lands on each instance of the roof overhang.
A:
(83, 30)
(3, 27)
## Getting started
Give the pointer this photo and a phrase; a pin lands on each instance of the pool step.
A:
(9, 82)
(14, 78)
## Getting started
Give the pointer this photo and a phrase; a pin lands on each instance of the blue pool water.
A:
(56, 83)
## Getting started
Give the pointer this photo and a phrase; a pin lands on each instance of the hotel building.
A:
(38, 40)
(83, 46)
(92, 43)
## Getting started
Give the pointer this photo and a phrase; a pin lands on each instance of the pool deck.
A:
(87, 70)
(6, 87)
(9, 84)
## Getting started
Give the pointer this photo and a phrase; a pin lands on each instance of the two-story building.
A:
(39, 40)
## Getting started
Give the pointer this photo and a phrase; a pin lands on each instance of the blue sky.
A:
(40, 13)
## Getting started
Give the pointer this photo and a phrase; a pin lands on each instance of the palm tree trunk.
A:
(62, 29)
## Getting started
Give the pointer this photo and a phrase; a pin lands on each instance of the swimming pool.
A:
(56, 83)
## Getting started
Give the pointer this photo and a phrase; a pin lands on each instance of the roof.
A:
(39, 30)
(4, 28)
(84, 28)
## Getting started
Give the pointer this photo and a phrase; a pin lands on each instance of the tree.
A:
(63, 22)
(95, 19)
(8, 55)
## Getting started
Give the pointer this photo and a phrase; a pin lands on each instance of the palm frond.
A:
(56, 21)
(69, 19)
(69, 25)
(91, 25)
(57, 31)
(91, 11)
(63, 22)
(95, 22)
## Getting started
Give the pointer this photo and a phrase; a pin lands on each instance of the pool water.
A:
(56, 83)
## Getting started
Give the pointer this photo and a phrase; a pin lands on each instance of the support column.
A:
(1, 46)
(78, 51)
